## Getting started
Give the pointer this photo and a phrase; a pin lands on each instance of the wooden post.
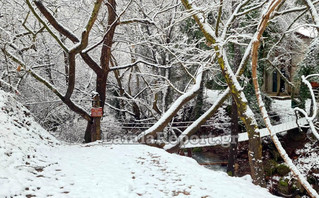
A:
(96, 128)
(189, 152)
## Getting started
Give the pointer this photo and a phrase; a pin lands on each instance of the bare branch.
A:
(67, 101)
(111, 26)
(145, 21)
(220, 12)
(137, 62)
(314, 12)
(55, 23)
(46, 26)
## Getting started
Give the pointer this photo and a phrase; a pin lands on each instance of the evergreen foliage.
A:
(309, 65)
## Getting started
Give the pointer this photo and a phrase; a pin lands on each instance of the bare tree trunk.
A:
(232, 157)
(261, 28)
(87, 136)
(245, 113)
(199, 103)
(93, 126)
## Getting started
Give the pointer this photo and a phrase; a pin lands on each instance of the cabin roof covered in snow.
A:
(309, 32)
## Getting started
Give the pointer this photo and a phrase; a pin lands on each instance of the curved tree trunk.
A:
(261, 28)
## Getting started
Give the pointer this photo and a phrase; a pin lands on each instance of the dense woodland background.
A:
(152, 62)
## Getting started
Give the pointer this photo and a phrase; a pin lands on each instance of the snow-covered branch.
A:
(232, 18)
(50, 86)
(314, 106)
(137, 62)
(46, 26)
(251, 9)
(174, 146)
(63, 30)
(261, 28)
(129, 21)
(294, 10)
(171, 112)
(114, 23)
(313, 11)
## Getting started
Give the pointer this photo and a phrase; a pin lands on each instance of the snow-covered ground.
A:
(308, 162)
(34, 163)
(284, 110)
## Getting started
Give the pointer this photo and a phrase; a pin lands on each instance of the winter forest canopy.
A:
(150, 64)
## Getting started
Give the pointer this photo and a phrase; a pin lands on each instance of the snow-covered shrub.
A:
(309, 65)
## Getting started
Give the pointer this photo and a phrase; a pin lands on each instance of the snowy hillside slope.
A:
(34, 164)
(21, 138)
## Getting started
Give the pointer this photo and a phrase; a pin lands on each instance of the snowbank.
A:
(33, 163)
(21, 138)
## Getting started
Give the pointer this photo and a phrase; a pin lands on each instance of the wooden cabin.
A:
(274, 85)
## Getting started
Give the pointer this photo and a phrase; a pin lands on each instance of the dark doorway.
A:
(274, 81)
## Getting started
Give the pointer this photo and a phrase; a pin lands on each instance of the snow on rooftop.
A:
(309, 32)
(34, 163)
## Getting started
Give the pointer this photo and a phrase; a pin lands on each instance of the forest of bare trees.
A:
(150, 62)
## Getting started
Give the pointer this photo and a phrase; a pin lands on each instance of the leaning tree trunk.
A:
(245, 113)
(261, 28)
(170, 113)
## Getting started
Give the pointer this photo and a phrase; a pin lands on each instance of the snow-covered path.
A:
(34, 164)
(99, 170)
